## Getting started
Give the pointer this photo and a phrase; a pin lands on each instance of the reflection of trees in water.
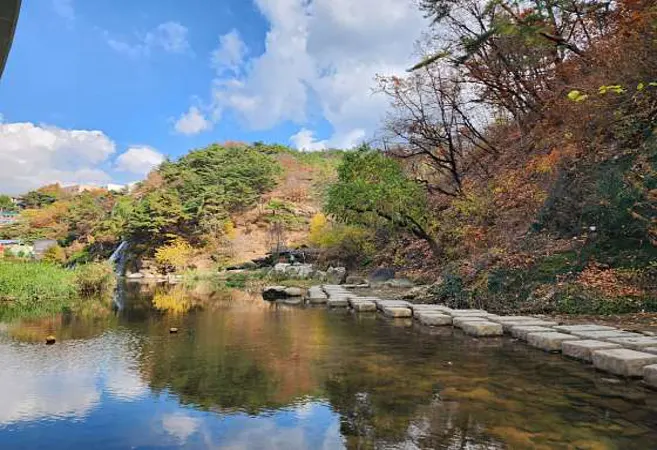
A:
(392, 386)
(250, 356)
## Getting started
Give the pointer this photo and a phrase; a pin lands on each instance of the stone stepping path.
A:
(609, 349)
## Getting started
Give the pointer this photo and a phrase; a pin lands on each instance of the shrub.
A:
(95, 279)
(174, 256)
(55, 255)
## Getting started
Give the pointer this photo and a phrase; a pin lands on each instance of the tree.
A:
(5, 203)
(372, 190)
(512, 48)
(436, 125)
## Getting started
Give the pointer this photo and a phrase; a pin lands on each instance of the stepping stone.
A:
(458, 321)
(521, 331)
(467, 312)
(316, 295)
(604, 335)
(423, 307)
(397, 311)
(637, 342)
(620, 361)
(650, 350)
(504, 319)
(549, 341)
(338, 302)
(584, 328)
(393, 303)
(482, 329)
(433, 320)
(583, 350)
(365, 306)
(507, 326)
(650, 375)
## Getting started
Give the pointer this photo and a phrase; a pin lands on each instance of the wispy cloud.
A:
(64, 9)
(170, 37)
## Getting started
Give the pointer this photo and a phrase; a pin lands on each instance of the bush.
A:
(174, 256)
(95, 279)
(55, 255)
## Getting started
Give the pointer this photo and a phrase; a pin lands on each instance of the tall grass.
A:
(34, 289)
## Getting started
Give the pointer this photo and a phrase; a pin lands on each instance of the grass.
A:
(36, 289)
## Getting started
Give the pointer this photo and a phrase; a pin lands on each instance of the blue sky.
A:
(100, 91)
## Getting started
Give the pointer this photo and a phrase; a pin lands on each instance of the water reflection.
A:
(244, 373)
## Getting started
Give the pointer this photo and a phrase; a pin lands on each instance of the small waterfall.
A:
(118, 258)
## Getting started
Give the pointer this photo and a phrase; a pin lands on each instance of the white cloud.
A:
(64, 9)
(322, 56)
(139, 160)
(192, 122)
(229, 55)
(169, 36)
(305, 140)
(34, 155)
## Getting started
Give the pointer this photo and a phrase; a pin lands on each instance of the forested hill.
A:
(213, 206)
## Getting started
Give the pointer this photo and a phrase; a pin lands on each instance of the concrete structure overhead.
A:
(9, 10)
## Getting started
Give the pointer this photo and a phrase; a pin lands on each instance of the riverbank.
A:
(36, 289)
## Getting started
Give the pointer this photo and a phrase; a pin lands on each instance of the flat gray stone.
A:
(316, 295)
(521, 331)
(397, 311)
(458, 321)
(549, 341)
(621, 361)
(583, 350)
(423, 307)
(650, 350)
(584, 327)
(637, 342)
(508, 326)
(603, 335)
(482, 329)
(503, 319)
(650, 375)
(364, 306)
(467, 312)
(338, 302)
(433, 320)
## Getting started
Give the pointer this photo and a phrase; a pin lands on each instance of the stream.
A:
(242, 373)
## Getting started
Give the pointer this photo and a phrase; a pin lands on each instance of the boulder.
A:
(382, 274)
(293, 292)
(281, 267)
(336, 275)
(274, 292)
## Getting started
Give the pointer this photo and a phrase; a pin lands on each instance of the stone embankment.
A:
(621, 353)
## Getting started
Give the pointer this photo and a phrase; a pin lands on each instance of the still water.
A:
(246, 374)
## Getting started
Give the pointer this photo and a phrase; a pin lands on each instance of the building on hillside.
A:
(41, 246)
(8, 218)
